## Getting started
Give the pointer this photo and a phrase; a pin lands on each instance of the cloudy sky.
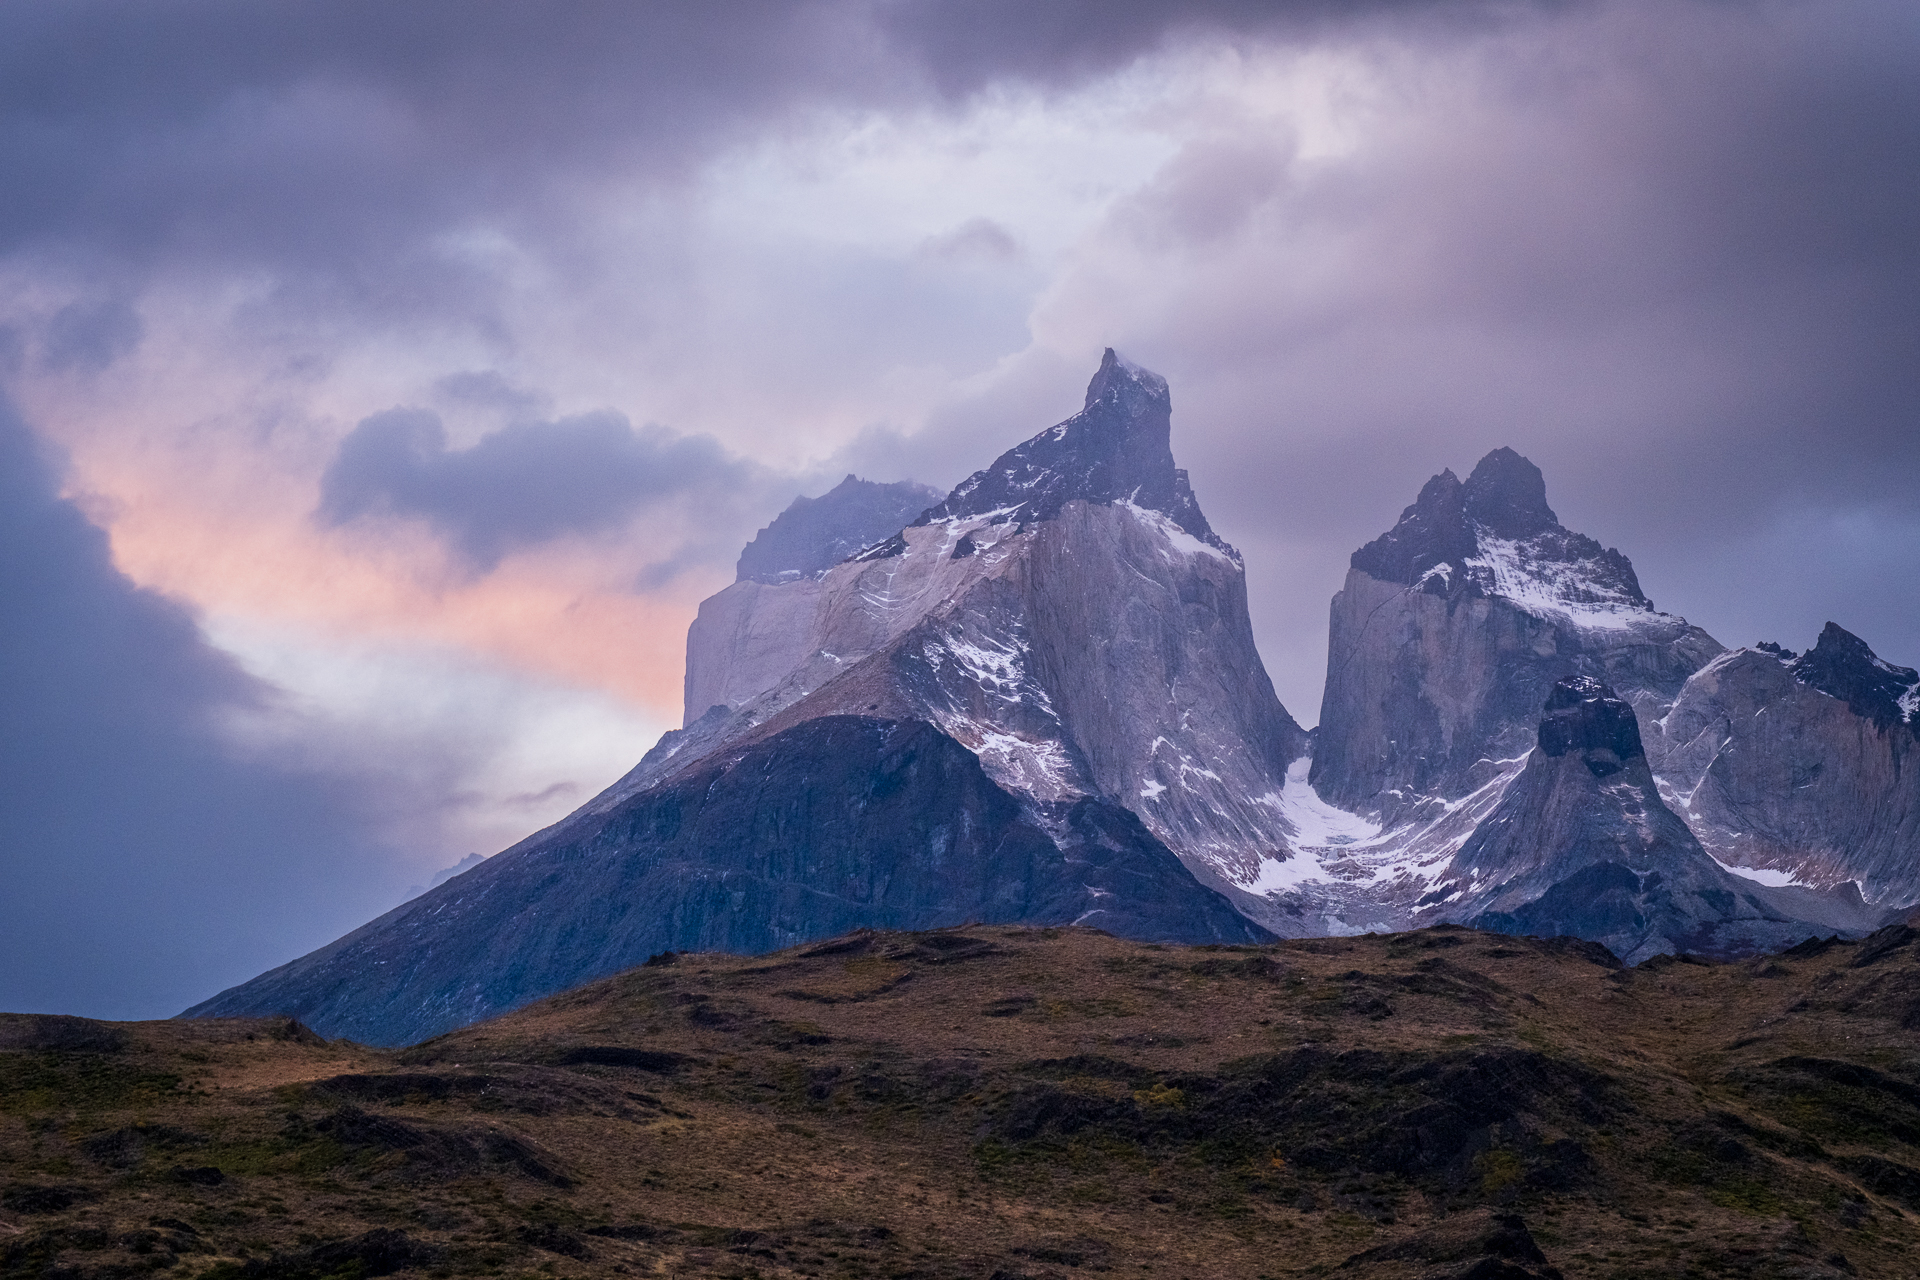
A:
(382, 386)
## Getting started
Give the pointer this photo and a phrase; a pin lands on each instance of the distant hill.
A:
(997, 1101)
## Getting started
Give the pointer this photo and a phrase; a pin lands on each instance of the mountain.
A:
(1039, 702)
(1454, 624)
(1066, 613)
(1582, 845)
(1801, 769)
(1449, 634)
(837, 823)
(814, 534)
(1441, 798)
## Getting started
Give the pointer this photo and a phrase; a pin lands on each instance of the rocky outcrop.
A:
(1454, 624)
(1582, 845)
(1801, 769)
(838, 823)
(814, 534)
(749, 636)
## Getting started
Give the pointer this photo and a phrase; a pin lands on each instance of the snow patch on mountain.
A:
(1178, 540)
(1312, 820)
(1763, 875)
(1585, 593)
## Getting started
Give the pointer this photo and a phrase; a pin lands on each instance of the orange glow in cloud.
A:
(220, 516)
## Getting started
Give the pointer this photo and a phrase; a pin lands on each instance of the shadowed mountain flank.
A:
(837, 823)
(1582, 844)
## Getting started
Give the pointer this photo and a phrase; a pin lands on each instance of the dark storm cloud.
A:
(144, 864)
(519, 486)
(962, 47)
(330, 137)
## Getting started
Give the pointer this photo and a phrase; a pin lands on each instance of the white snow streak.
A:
(1510, 569)
(1762, 875)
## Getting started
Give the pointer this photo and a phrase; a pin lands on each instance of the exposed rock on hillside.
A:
(1581, 844)
(1801, 770)
(838, 823)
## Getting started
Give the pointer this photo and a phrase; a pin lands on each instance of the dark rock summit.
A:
(1581, 844)
(814, 534)
(1842, 666)
(1454, 530)
(1583, 716)
(1114, 450)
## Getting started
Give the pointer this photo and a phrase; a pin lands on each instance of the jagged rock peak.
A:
(1583, 715)
(1841, 665)
(1507, 496)
(1495, 535)
(814, 534)
(1116, 449)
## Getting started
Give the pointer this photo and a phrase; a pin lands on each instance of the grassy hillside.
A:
(989, 1101)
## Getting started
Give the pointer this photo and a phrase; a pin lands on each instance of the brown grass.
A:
(1035, 1103)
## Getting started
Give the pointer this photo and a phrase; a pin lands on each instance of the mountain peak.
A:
(1495, 535)
(1507, 495)
(1115, 450)
(1583, 715)
(1841, 665)
(1125, 386)
(814, 534)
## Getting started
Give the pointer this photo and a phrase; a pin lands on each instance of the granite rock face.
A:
(1455, 623)
(1068, 614)
(1805, 769)
(1582, 845)
(1449, 634)
(839, 823)
(1477, 607)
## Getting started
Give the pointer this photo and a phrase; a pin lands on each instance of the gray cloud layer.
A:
(145, 863)
(518, 486)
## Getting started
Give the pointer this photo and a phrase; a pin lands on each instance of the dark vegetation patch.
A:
(380, 1252)
(1422, 1117)
(956, 1105)
(416, 1152)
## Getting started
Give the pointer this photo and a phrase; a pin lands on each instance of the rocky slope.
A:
(994, 1101)
(1582, 845)
(1449, 634)
(1066, 613)
(1801, 769)
(1061, 650)
(814, 534)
